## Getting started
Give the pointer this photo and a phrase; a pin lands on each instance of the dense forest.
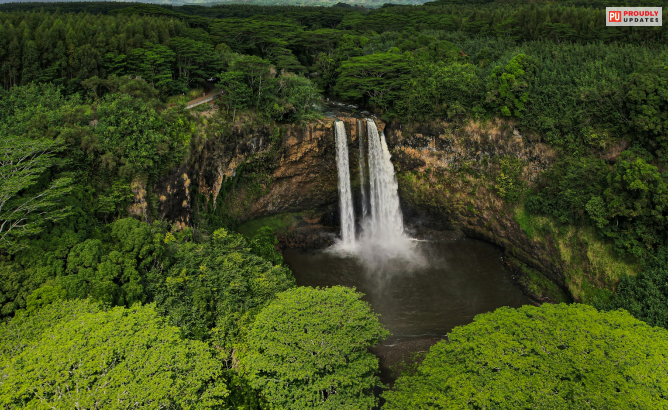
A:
(101, 309)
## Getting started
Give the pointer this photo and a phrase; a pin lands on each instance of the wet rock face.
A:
(307, 239)
(174, 195)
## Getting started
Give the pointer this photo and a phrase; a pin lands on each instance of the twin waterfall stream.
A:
(381, 227)
(420, 289)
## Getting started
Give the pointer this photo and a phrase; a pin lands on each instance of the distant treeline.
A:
(67, 48)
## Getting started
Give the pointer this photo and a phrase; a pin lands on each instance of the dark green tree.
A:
(25, 203)
(264, 245)
(196, 60)
(375, 78)
(237, 94)
(647, 98)
(214, 290)
(645, 296)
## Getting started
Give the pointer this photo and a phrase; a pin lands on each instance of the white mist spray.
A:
(382, 242)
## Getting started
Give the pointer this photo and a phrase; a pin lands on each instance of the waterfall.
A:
(385, 223)
(360, 137)
(345, 194)
(382, 242)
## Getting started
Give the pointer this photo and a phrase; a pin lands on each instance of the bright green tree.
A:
(78, 355)
(308, 350)
(508, 86)
(547, 357)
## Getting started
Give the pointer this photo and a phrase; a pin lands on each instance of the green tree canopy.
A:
(26, 204)
(376, 78)
(214, 290)
(308, 350)
(116, 272)
(645, 296)
(507, 86)
(547, 357)
(439, 89)
(78, 355)
(648, 104)
(264, 245)
(133, 137)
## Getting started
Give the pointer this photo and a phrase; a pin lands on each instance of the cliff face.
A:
(262, 171)
(451, 178)
(454, 180)
(469, 178)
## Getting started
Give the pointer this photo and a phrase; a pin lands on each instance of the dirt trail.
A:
(207, 97)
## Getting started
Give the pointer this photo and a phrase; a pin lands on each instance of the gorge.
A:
(315, 188)
(448, 177)
(421, 289)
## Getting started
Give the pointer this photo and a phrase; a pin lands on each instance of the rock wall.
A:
(446, 175)
(260, 172)
(462, 177)
(451, 180)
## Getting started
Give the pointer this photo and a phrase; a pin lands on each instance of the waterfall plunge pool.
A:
(418, 303)
(421, 290)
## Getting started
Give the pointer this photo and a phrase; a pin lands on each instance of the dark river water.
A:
(419, 303)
